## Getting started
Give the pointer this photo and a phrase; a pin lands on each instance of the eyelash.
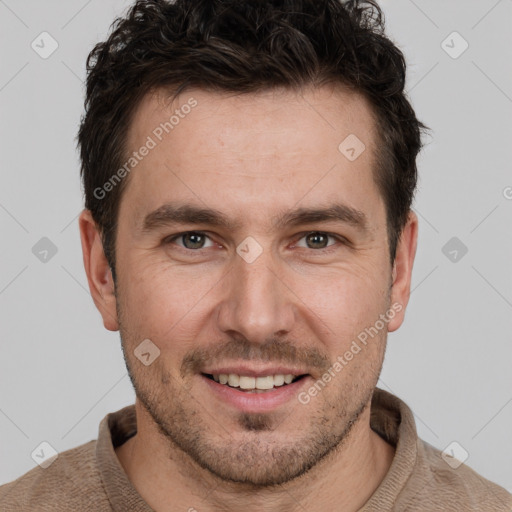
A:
(324, 250)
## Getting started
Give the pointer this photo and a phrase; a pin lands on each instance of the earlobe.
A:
(99, 275)
(402, 270)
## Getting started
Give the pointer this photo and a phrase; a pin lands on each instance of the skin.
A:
(252, 157)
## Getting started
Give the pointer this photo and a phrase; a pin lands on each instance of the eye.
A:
(195, 240)
(191, 240)
(318, 240)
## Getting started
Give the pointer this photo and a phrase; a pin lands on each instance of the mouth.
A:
(253, 393)
(251, 384)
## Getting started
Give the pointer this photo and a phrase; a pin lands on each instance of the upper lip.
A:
(252, 371)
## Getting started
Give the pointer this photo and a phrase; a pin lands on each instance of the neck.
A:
(167, 479)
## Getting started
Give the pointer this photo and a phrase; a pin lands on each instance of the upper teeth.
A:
(246, 382)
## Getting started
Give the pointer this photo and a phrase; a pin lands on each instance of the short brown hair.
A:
(246, 46)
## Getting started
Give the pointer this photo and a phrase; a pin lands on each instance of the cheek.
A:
(346, 302)
(167, 302)
(164, 301)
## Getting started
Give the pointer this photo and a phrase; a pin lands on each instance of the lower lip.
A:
(256, 402)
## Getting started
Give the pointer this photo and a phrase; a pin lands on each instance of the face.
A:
(282, 274)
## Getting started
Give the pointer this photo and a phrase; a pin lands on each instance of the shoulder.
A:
(71, 482)
(439, 483)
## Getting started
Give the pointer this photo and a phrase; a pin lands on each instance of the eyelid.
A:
(340, 239)
(298, 237)
(172, 238)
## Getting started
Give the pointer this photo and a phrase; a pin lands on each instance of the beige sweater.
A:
(90, 477)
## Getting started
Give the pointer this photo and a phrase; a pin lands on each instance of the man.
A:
(249, 169)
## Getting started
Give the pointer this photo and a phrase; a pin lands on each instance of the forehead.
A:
(244, 153)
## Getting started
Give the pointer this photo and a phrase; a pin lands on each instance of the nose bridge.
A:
(256, 302)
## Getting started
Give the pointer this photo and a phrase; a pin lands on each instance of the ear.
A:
(402, 270)
(98, 271)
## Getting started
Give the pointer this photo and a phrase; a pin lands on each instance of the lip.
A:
(255, 402)
(241, 369)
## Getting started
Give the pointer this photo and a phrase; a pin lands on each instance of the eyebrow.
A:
(173, 213)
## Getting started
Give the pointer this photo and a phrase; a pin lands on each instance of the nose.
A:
(257, 303)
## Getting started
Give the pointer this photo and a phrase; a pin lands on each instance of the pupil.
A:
(196, 239)
(317, 236)
(195, 244)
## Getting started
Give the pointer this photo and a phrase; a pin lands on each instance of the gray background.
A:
(61, 372)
